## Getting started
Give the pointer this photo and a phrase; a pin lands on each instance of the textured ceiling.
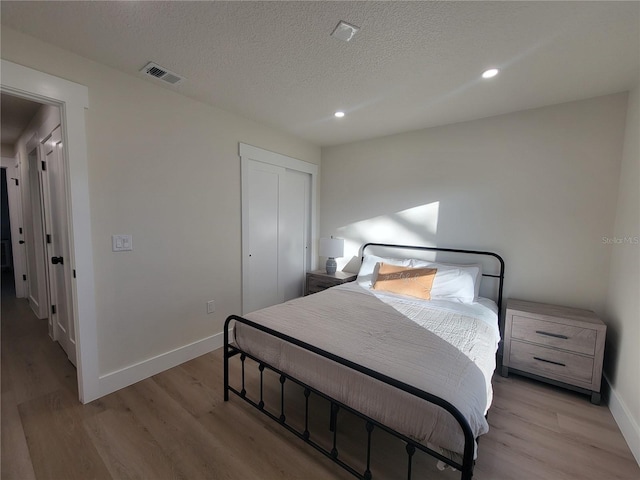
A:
(412, 65)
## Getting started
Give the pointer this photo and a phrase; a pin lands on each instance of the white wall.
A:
(538, 187)
(622, 364)
(550, 189)
(166, 170)
(7, 150)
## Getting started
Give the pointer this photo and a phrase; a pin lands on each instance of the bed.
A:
(418, 368)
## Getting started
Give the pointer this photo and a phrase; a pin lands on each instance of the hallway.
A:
(33, 367)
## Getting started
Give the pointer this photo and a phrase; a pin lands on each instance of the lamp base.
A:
(331, 266)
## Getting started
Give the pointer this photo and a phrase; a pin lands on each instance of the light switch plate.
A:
(121, 243)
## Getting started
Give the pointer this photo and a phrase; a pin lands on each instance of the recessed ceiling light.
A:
(339, 114)
(492, 72)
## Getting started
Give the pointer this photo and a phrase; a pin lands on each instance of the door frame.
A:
(72, 99)
(248, 153)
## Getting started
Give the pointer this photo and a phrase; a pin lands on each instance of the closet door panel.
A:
(292, 235)
(261, 285)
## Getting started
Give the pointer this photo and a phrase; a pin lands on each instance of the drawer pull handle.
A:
(549, 361)
(555, 335)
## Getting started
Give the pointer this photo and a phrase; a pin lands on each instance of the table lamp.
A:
(331, 248)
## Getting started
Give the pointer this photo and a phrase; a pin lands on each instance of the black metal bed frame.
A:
(230, 350)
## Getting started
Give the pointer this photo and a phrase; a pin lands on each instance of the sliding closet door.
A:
(276, 227)
(261, 261)
(293, 233)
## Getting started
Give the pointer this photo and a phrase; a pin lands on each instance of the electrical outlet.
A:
(210, 307)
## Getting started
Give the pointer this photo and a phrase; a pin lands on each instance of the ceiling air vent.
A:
(344, 31)
(155, 70)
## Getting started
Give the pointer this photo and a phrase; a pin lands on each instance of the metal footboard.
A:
(230, 350)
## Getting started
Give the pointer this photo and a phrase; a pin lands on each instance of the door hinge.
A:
(53, 309)
(74, 273)
(24, 278)
(44, 166)
(48, 238)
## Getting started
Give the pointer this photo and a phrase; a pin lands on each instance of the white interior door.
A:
(293, 233)
(262, 188)
(57, 242)
(35, 248)
(18, 241)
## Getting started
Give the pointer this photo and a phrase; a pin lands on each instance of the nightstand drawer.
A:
(320, 280)
(315, 289)
(566, 337)
(556, 364)
(317, 285)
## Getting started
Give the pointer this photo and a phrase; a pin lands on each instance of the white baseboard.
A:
(112, 381)
(35, 308)
(627, 424)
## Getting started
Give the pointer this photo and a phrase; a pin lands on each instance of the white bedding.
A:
(444, 348)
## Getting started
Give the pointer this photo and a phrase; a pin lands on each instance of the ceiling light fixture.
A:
(492, 72)
(339, 114)
(344, 31)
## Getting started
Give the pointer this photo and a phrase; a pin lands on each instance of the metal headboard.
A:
(499, 276)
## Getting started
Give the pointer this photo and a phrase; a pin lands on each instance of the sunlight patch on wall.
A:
(413, 226)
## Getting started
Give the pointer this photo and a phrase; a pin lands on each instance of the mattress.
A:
(444, 348)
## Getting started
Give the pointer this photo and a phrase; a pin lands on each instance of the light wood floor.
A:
(175, 425)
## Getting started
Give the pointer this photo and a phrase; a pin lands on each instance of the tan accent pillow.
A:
(415, 282)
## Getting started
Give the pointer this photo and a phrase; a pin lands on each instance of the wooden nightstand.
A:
(319, 280)
(559, 345)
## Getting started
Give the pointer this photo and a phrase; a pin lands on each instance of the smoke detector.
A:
(344, 31)
(161, 73)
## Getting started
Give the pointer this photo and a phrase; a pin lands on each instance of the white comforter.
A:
(444, 348)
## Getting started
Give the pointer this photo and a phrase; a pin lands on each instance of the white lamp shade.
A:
(332, 247)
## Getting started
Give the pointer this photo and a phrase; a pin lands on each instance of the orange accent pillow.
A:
(415, 282)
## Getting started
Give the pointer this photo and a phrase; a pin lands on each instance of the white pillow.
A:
(365, 275)
(454, 282)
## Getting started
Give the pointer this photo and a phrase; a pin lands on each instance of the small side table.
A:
(319, 280)
(558, 345)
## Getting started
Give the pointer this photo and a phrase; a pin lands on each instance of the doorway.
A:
(73, 100)
(43, 219)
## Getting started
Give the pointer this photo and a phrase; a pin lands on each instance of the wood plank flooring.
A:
(176, 426)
